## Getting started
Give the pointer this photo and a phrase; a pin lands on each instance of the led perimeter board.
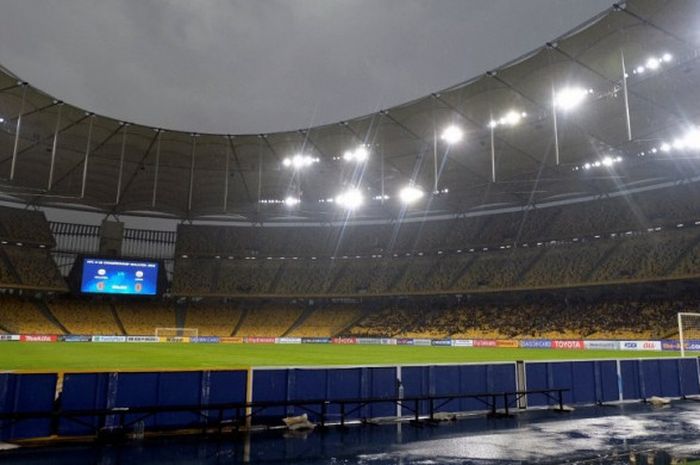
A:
(119, 276)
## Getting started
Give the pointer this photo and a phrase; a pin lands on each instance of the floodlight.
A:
(639, 69)
(291, 201)
(299, 161)
(665, 147)
(452, 134)
(692, 139)
(358, 155)
(652, 63)
(410, 194)
(2, 120)
(667, 57)
(350, 199)
(512, 118)
(607, 161)
(570, 97)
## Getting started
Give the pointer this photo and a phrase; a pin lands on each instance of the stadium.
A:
(505, 270)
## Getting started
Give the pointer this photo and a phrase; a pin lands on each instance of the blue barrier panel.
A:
(133, 390)
(270, 385)
(180, 388)
(668, 377)
(607, 381)
(344, 384)
(324, 383)
(381, 383)
(537, 377)
(631, 383)
(416, 383)
(688, 370)
(26, 393)
(445, 380)
(83, 391)
(588, 381)
(659, 378)
(107, 390)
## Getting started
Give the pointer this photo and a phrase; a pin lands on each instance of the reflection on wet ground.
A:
(630, 434)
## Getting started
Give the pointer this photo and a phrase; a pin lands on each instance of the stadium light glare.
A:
(692, 139)
(452, 134)
(299, 161)
(359, 155)
(512, 118)
(350, 199)
(667, 57)
(410, 194)
(2, 120)
(665, 147)
(291, 201)
(653, 63)
(570, 97)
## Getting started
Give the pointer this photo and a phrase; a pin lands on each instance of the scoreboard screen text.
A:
(110, 276)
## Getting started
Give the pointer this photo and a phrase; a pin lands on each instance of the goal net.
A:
(689, 331)
(176, 334)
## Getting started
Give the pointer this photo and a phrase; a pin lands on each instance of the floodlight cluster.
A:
(299, 161)
(512, 118)
(605, 162)
(653, 63)
(690, 141)
(452, 134)
(359, 155)
(291, 201)
(350, 199)
(410, 194)
(569, 98)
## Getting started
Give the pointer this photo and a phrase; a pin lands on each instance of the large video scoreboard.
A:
(119, 276)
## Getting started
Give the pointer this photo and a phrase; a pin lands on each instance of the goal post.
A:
(176, 333)
(688, 329)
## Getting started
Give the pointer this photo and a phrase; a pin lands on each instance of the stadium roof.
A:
(67, 157)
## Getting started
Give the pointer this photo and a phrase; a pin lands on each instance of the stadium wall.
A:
(588, 382)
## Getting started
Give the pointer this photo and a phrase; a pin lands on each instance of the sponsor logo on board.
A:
(38, 338)
(536, 343)
(567, 344)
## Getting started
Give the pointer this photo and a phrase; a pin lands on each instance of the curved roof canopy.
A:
(52, 153)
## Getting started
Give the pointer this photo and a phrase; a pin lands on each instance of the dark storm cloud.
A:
(266, 65)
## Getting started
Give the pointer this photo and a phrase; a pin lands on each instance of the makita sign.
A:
(38, 338)
(567, 344)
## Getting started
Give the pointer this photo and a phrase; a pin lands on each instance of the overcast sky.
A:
(234, 66)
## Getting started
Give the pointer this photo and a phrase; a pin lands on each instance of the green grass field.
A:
(110, 356)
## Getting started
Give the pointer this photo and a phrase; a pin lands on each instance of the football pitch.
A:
(53, 357)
